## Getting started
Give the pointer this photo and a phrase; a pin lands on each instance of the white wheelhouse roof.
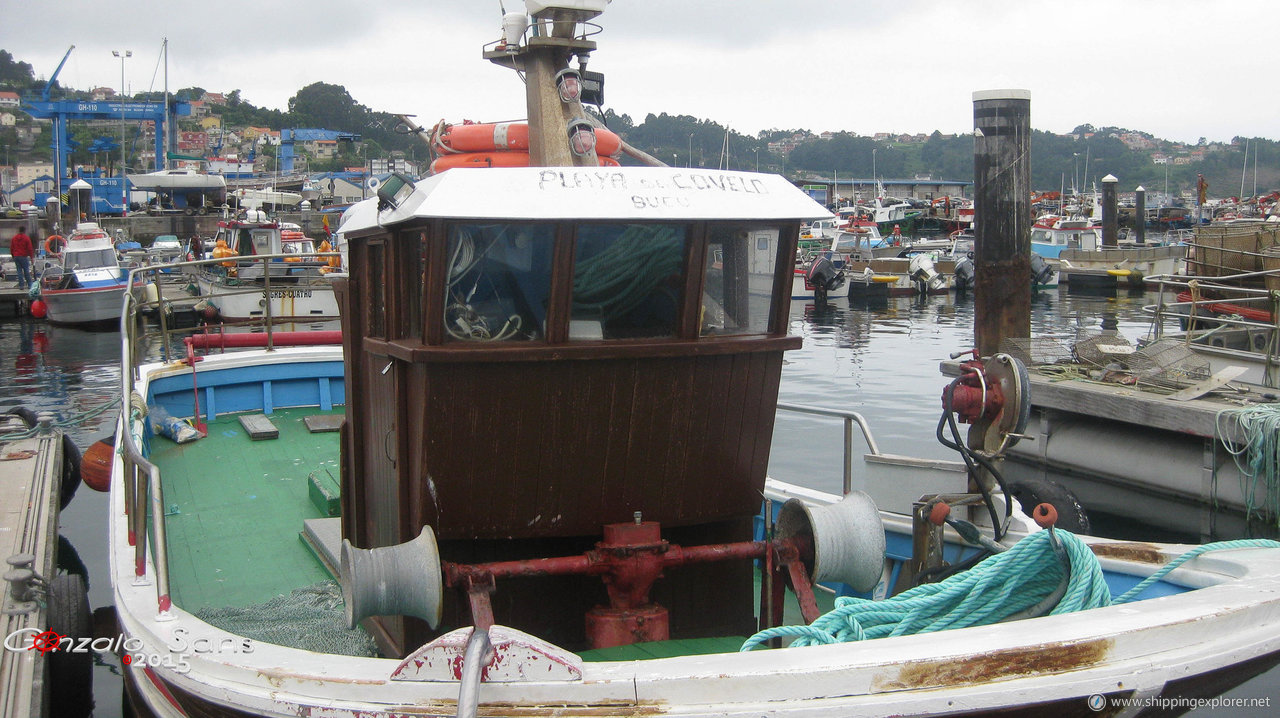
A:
(607, 193)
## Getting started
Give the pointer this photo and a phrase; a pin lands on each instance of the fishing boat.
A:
(545, 496)
(271, 270)
(1073, 245)
(83, 282)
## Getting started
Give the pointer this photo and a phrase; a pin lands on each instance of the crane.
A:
(44, 96)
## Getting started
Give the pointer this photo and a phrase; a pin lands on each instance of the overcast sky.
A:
(1180, 69)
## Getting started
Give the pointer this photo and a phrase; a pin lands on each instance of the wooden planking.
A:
(319, 423)
(579, 444)
(1196, 416)
(258, 427)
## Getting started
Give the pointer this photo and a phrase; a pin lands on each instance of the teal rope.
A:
(73, 421)
(623, 275)
(1259, 459)
(998, 589)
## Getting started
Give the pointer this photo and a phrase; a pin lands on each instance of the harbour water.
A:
(881, 361)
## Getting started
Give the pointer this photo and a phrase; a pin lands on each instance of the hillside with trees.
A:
(1080, 158)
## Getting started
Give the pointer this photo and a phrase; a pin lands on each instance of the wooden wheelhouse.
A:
(534, 353)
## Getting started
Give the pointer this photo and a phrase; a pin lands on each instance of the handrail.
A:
(850, 418)
(147, 484)
(142, 484)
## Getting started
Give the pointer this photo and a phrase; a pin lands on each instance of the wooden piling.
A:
(1140, 214)
(1110, 221)
(1002, 217)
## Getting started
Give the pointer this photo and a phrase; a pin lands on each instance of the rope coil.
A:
(1003, 587)
(1258, 459)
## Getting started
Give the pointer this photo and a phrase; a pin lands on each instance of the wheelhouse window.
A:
(498, 281)
(90, 258)
(627, 280)
(738, 293)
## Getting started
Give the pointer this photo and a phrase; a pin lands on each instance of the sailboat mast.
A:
(1245, 168)
(168, 130)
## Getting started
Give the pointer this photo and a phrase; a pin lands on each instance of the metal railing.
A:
(142, 484)
(850, 418)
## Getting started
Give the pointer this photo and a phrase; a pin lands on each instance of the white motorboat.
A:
(177, 180)
(84, 283)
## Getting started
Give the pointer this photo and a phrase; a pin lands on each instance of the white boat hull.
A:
(1231, 620)
(177, 180)
(309, 299)
(83, 306)
(1118, 653)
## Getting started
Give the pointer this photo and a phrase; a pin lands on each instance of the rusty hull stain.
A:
(1130, 551)
(993, 666)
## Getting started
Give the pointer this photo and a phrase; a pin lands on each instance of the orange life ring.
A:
(503, 136)
(494, 159)
(49, 244)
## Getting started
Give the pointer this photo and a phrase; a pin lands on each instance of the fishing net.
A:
(1034, 351)
(1103, 349)
(311, 618)
(1169, 360)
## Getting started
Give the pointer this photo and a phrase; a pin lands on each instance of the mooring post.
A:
(1002, 217)
(1110, 222)
(1140, 214)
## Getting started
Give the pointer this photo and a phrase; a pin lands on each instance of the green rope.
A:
(622, 276)
(1003, 587)
(73, 421)
(1258, 459)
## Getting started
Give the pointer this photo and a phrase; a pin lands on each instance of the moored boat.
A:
(271, 270)
(579, 383)
(84, 282)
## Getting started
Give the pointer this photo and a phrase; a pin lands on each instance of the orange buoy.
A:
(95, 465)
(505, 136)
(494, 159)
(221, 250)
(39, 309)
(54, 244)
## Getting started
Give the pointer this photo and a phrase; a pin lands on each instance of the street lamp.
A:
(124, 183)
(873, 164)
(689, 163)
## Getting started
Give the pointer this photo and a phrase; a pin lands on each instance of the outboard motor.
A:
(923, 273)
(824, 277)
(1041, 271)
(964, 274)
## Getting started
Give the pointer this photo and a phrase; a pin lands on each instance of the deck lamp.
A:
(569, 84)
(582, 138)
(393, 191)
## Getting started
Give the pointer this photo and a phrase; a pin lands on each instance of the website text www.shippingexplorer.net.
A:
(1099, 703)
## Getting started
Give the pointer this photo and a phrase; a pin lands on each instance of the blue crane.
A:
(44, 96)
(62, 111)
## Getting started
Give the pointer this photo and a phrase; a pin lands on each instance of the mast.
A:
(168, 131)
(560, 134)
(1245, 168)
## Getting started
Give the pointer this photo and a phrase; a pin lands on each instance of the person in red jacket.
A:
(21, 250)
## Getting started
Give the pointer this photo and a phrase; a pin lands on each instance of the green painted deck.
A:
(234, 510)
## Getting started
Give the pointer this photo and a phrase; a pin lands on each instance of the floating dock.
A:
(30, 489)
(14, 302)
